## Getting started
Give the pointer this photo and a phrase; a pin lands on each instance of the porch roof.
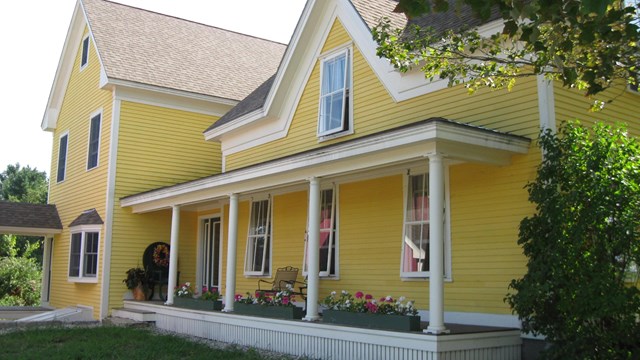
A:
(455, 141)
(29, 219)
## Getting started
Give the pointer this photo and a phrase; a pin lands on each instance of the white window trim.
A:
(83, 229)
(447, 228)
(85, 38)
(332, 134)
(94, 114)
(66, 158)
(200, 252)
(266, 272)
(336, 242)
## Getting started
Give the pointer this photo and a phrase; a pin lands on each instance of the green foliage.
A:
(29, 186)
(20, 280)
(582, 243)
(23, 185)
(585, 44)
(113, 343)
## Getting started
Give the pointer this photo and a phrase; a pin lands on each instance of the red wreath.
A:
(161, 255)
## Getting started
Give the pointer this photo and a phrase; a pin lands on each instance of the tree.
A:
(587, 44)
(22, 185)
(582, 244)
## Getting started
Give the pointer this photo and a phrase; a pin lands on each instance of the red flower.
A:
(368, 297)
(285, 300)
(359, 295)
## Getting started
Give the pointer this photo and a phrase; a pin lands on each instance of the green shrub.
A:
(20, 280)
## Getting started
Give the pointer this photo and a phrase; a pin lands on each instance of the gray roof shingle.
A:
(88, 217)
(371, 11)
(150, 48)
(24, 215)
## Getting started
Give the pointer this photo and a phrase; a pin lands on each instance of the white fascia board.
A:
(168, 98)
(65, 67)
(28, 231)
(403, 145)
(272, 122)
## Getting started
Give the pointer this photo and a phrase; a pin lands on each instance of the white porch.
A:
(323, 341)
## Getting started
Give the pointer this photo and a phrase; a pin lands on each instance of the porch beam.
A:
(232, 245)
(313, 251)
(436, 245)
(173, 253)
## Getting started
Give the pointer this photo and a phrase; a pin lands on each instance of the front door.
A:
(211, 253)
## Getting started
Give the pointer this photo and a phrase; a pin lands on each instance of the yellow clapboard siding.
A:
(157, 147)
(81, 190)
(374, 110)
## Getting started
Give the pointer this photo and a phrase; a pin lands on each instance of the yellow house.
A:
(132, 94)
(318, 156)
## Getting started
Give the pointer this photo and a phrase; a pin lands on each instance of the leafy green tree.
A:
(583, 245)
(22, 184)
(20, 280)
(587, 44)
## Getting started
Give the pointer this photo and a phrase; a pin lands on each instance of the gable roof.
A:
(370, 12)
(150, 48)
(145, 49)
(28, 219)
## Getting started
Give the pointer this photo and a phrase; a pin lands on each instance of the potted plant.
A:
(278, 305)
(137, 281)
(364, 311)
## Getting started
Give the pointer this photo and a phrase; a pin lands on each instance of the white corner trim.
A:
(110, 203)
(546, 103)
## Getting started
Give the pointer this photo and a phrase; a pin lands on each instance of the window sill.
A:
(323, 138)
(83, 280)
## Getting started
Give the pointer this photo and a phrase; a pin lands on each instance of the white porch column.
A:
(173, 253)
(436, 245)
(313, 251)
(232, 245)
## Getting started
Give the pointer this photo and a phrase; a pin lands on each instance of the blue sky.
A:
(32, 34)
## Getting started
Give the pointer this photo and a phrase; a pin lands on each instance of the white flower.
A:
(344, 292)
(187, 284)
(388, 298)
(402, 298)
(333, 293)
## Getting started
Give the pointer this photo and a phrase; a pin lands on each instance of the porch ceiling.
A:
(454, 141)
(29, 219)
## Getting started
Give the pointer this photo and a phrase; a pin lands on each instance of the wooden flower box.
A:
(197, 304)
(277, 312)
(372, 321)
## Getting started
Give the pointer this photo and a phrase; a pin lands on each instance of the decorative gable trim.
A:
(72, 43)
(272, 121)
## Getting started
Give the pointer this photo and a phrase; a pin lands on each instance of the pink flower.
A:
(371, 307)
(382, 299)
(285, 300)
(368, 297)
(359, 295)
(238, 297)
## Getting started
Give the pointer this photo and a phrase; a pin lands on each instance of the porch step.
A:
(133, 314)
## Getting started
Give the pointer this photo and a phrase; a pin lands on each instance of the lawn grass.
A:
(109, 342)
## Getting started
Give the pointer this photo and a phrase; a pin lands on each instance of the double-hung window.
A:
(62, 157)
(84, 57)
(328, 235)
(83, 254)
(94, 141)
(416, 237)
(258, 254)
(335, 91)
(415, 245)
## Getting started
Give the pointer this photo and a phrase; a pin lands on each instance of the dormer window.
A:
(335, 89)
(84, 60)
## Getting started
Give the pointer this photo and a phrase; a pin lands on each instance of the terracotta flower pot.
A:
(139, 293)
